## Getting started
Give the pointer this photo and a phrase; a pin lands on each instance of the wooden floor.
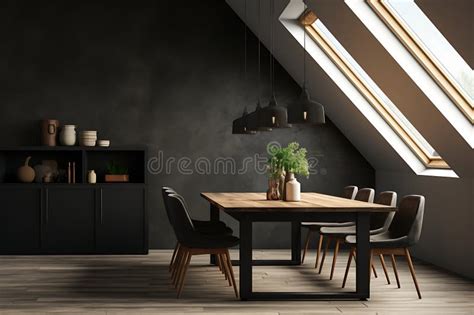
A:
(141, 285)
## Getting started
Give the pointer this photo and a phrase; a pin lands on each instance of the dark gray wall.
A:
(162, 75)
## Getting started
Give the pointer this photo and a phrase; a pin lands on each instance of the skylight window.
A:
(430, 47)
(366, 95)
(425, 55)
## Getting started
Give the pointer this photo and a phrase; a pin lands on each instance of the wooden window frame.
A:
(430, 161)
(424, 57)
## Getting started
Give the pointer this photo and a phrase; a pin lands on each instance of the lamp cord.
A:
(304, 51)
(272, 58)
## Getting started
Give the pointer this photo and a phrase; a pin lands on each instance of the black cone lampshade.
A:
(305, 110)
(274, 116)
(240, 125)
(254, 119)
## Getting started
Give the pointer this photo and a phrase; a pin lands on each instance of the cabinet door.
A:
(69, 220)
(120, 220)
(20, 213)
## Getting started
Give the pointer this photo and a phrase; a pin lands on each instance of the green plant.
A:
(290, 159)
(114, 169)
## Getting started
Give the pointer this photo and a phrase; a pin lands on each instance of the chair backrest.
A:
(365, 194)
(409, 218)
(350, 192)
(166, 192)
(383, 219)
(179, 218)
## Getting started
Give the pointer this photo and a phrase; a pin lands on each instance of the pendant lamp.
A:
(305, 110)
(240, 125)
(273, 115)
(254, 118)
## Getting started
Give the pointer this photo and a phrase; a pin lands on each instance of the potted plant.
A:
(116, 173)
(283, 164)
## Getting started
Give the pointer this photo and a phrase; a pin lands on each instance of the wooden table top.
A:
(310, 202)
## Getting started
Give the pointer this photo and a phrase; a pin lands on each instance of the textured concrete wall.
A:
(158, 74)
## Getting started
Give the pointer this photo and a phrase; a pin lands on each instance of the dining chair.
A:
(193, 243)
(379, 223)
(364, 194)
(313, 227)
(205, 227)
(403, 232)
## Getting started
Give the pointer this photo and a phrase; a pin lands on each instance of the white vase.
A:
(68, 135)
(91, 177)
(293, 189)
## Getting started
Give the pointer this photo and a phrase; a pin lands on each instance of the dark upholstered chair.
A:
(379, 222)
(205, 227)
(364, 194)
(403, 232)
(192, 242)
(313, 227)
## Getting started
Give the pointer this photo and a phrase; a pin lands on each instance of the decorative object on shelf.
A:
(49, 131)
(48, 177)
(293, 188)
(26, 173)
(273, 115)
(68, 135)
(69, 177)
(53, 168)
(88, 138)
(91, 177)
(103, 143)
(73, 172)
(116, 173)
(305, 110)
(41, 170)
(284, 163)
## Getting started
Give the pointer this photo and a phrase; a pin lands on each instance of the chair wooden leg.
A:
(306, 244)
(174, 256)
(318, 250)
(349, 260)
(373, 269)
(371, 263)
(324, 253)
(181, 269)
(395, 271)
(382, 261)
(229, 263)
(334, 258)
(183, 277)
(412, 271)
(177, 264)
(225, 268)
(219, 263)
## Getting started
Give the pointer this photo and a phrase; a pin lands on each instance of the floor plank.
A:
(119, 285)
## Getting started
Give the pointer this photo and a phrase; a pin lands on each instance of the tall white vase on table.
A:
(293, 189)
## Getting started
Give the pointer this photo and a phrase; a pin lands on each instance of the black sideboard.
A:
(79, 218)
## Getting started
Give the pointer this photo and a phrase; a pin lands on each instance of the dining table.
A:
(250, 207)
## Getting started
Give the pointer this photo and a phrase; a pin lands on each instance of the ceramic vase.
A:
(68, 135)
(49, 132)
(91, 177)
(293, 189)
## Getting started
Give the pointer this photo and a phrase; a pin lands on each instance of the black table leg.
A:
(363, 256)
(214, 217)
(245, 258)
(296, 242)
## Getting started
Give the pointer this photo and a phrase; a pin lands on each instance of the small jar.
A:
(68, 135)
(91, 177)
